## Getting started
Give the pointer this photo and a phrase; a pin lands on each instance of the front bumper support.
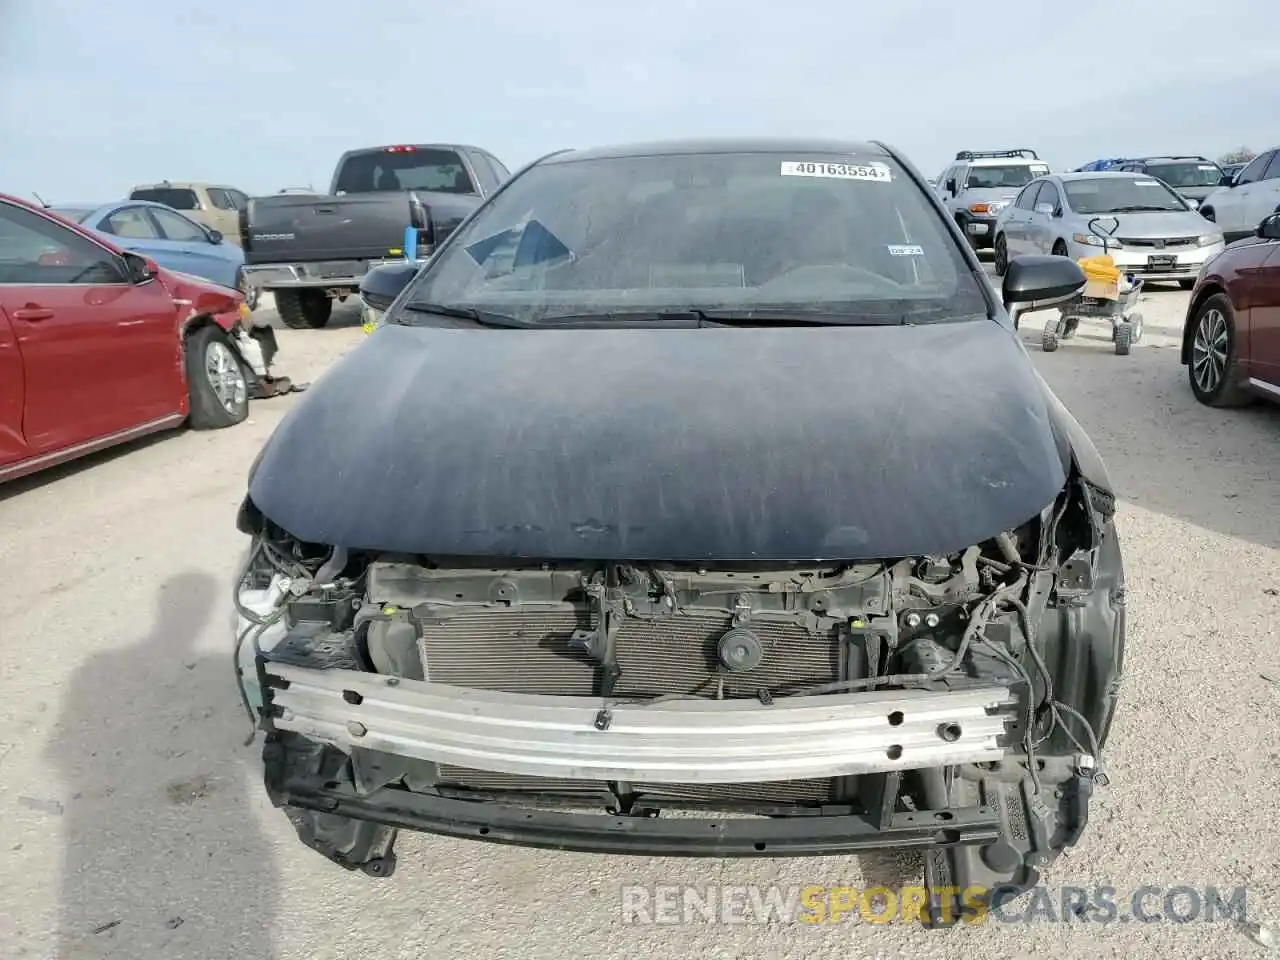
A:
(691, 741)
(644, 835)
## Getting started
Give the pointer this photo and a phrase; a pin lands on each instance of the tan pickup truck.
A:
(215, 205)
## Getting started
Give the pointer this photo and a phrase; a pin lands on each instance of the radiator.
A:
(526, 650)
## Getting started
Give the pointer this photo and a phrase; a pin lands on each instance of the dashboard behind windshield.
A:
(1010, 175)
(743, 232)
(1112, 194)
(1196, 174)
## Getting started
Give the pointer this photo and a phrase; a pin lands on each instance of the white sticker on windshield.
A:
(1207, 166)
(1147, 183)
(905, 250)
(876, 172)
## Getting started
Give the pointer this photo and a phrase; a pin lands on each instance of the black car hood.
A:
(700, 444)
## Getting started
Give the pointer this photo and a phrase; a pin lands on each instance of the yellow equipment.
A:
(1100, 268)
(1102, 276)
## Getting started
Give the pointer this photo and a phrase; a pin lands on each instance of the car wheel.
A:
(1001, 255)
(216, 383)
(304, 309)
(1212, 370)
(1208, 214)
(1059, 249)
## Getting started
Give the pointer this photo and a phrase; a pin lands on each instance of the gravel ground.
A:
(134, 825)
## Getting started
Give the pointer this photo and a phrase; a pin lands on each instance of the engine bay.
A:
(1030, 612)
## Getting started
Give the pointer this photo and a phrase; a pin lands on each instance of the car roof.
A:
(450, 147)
(1095, 174)
(719, 145)
(1003, 162)
(180, 185)
(88, 208)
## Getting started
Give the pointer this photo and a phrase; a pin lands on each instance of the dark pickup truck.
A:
(312, 249)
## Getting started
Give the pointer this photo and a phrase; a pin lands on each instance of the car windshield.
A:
(765, 234)
(1197, 173)
(1121, 195)
(176, 198)
(1010, 175)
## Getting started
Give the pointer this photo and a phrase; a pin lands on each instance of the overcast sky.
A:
(262, 94)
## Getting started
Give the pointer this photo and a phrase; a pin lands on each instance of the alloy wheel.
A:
(225, 377)
(1209, 351)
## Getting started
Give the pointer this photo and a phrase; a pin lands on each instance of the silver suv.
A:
(980, 183)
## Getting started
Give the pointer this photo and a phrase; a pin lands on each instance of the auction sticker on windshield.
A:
(876, 172)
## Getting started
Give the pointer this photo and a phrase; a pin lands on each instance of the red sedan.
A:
(1231, 338)
(99, 346)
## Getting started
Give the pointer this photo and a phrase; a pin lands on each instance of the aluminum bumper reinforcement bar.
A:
(672, 741)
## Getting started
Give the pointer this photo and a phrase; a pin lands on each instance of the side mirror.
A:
(1227, 180)
(1269, 228)
(140, 269)
(1037, 282)
(383, 284)
(1045, 208)
(215, 236)
(950, 185)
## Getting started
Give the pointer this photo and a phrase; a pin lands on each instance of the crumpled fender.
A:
(1076, 443)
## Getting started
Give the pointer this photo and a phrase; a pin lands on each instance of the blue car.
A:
(166, 236)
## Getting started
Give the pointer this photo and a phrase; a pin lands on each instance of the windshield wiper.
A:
(751, 318)
(667, 319)
(1142, 208)
(693, 317)
(483, 317)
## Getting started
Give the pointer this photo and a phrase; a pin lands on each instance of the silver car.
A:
(1151, 231)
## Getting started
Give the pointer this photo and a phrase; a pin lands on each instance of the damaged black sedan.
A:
(699, 477)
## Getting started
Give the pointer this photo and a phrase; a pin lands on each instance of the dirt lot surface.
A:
(133, 824)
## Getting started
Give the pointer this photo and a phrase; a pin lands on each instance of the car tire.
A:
(1001, 255)
(1059, 249)
(303, 309)
(1187, 284)
(1208, 214)
(217, 385)
(1212, 372)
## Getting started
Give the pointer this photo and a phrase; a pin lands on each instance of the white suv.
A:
(980, 183)
(1253, 195)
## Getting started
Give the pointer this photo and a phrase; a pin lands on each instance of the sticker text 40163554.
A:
(876, 172)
